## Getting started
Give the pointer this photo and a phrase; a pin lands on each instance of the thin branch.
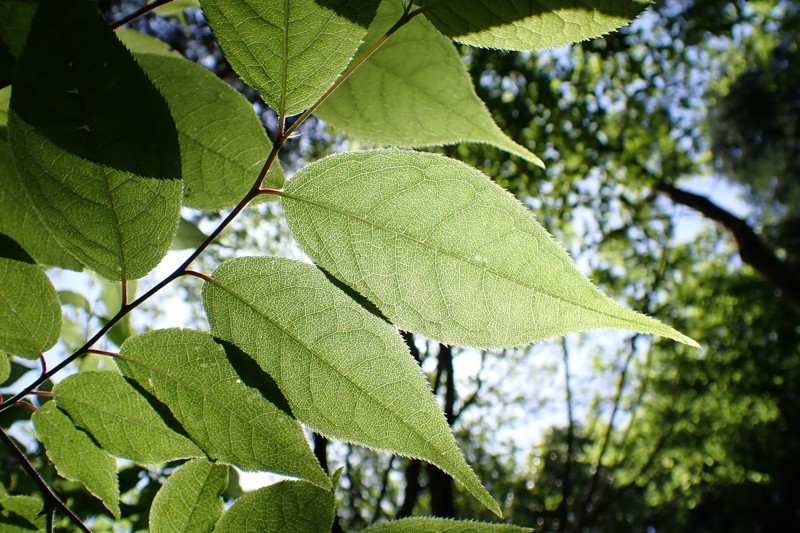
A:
(51, 499)
(566, 485)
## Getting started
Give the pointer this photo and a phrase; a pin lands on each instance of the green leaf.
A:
(188, 236)
(443, 251)
(20, 514)
(414, 91)
(30, 314)
(5, 99)
(20, 221)
(94, 142)
(120, 419)
(5, 368)
(428, 524)
(191, 499)
(76, 457)
(231, 421)
(223, 144)
(15, 19)
(530, 25)
(175, 7)
(294, 506)
(345, 372)
(138, 42)
(291, 51)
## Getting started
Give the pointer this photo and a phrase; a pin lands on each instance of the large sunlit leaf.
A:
(191, 499)
(76, 457)
(291, 51)
(414, 91)
(529, 24)
(428, 524)
(20, 221)
(120, 419)
(20, 514)
(443, 251)
(30, 313)
(294, 506)
(223, 144)
(345, 372)
(94, 142)
(229, 419)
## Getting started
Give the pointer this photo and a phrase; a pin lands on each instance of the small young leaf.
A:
(427, 524)
(232, 422)
(76, 457)
(120, 419)
(74, 299)
(95, 142)
(20, 514)
(291, 51)
(188, 236)
(20, 221)
(344, 371)
(529, 25)
(5, 368)
(191, 499)
(223, 144)
(294, 506)
(426, 95)
(30, 313)
(443, 251)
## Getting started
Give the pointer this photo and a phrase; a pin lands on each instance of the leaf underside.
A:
(290, 51)
(443, 251)
(345, 372)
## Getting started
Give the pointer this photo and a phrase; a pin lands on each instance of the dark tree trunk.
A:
(752, 249)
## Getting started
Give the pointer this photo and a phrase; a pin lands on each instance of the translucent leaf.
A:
(294, 506)
(74, 299)
(443, 251)
(120, 419)
(76, 457)
(414, 91)
(138, 42)
(30, 313)
(5, 368)
(191, 499)
(223, 144)
(95, 143)
(230, 420)
(530, 25)
(345, 372)
(188, 236)
(428, 524)
(20, 221)
(291, 51)
(175, 7)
